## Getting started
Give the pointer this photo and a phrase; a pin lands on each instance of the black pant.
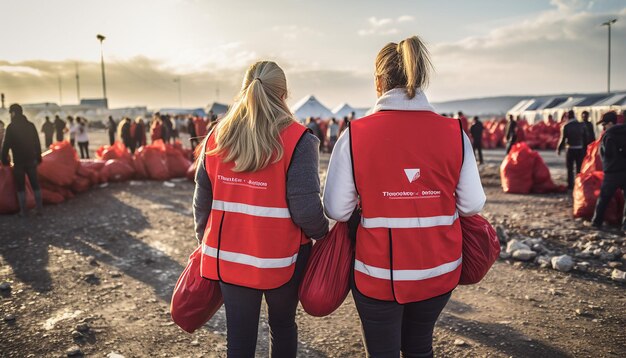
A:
(243, 307)
(19, 172)
(573, 156)
(59, 136)
(111, 138)
(48, 140)
(611, 182)
(510, 143)
(478, 146)
(389, 327)
(84, 146)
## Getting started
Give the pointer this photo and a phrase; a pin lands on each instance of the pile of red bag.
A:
(493, 133)
(587, 188)
(523, 171)
(541, 135)
(62, 175)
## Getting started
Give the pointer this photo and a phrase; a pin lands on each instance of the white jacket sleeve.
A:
(470, 196)
(340, 196)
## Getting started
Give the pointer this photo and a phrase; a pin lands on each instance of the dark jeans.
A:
(510, 143)
(243, 307)
(611, 182)
(573, 156)
(478, 146)
(48, 141)
(19, 173)
(111, 138)
(84, 146)
(389, 327)
(59, 136)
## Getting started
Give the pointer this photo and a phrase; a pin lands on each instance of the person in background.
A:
(191, 130)
(156, 129)
(590, 134)
(124, 132)
(398, 293)
(255, 242)
(73, 128)
(22, 140)
(140, 133)
(111, 129)
(82, 137)
(333, 134)
(166, 128)
(613, 154)
(311, 123)
(464, 122)
(573, 136)
(477, 138)
(59, 127)
(2, 130)
(47, 128)
(345, 123)
(510, 133)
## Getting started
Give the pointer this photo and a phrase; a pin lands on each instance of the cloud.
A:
(382, 26)
(405, 18)
(293, 32)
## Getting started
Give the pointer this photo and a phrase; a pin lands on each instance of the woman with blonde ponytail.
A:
(256, 206)
(410, 173)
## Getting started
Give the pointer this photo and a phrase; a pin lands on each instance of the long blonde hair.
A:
(404, 65)
(249, 132)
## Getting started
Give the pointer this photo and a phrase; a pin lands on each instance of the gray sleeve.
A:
(303, 188)
(202, 200)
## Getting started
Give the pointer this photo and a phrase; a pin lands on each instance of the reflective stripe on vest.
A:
(404, 223)
(406, 275)
(254, 210)
(250, 260)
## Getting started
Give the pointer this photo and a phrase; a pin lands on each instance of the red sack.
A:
(116, 151)
(140, 168)
(195, 299)
(51, 197)
(8, 193)
(516, 170)
(59, 164)
(592, 161)
(177, 164)
(117, 170)
(326, 281)
(155, 160)
(542, 181)
(586, 192)
(481, 248)
(92, 164)
(80, 184)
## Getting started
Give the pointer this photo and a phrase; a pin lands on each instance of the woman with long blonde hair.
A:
(256, 207)
(410, 188)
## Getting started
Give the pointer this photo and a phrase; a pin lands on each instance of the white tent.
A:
(343, 110)
(309, 106)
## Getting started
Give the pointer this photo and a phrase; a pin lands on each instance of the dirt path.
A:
(96, 273)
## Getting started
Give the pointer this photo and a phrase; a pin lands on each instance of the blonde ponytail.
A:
(249, 132)
(405, 65)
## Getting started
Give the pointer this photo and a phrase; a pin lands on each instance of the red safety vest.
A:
(250, 239)
(406, 169)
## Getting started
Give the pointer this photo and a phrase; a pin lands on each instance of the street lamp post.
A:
(608, 25)
(180, 96)
(104, 82)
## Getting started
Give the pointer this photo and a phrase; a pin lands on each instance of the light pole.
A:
(180, 96)
(104, 82)
(608, 24)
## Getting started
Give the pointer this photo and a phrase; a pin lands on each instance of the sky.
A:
(327, 48)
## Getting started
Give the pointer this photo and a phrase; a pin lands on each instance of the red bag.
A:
(116, 151)
(80, 184)
(592, 161)
(586, 192)
(59, 164)
(195, 299)
(140, 168)
(177, 164)
(8, 193)
(326, 281)
(51, 197)
(516, 171)
(542, 181)
(481, 248)
(154, 160)
(117, 170)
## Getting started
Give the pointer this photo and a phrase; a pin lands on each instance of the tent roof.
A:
(592, 100)
(217, 108)
(309, 106)
(615, 99)
(183, 111)
(571, 102)
(343, 110)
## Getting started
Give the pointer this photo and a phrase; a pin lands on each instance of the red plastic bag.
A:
(481, 248)
(326, 281)
(140, 168)
(592, 161)
(542, 181)
(195, 299)
(81, 184)
(586, 192)
(8, 193)
(155, 160)
(116, 151)
(177, 164)
(516, 170)
(51, 197)
(59, 164)
(117, 170)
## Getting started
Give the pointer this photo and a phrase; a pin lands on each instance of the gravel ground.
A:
(94, 275)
